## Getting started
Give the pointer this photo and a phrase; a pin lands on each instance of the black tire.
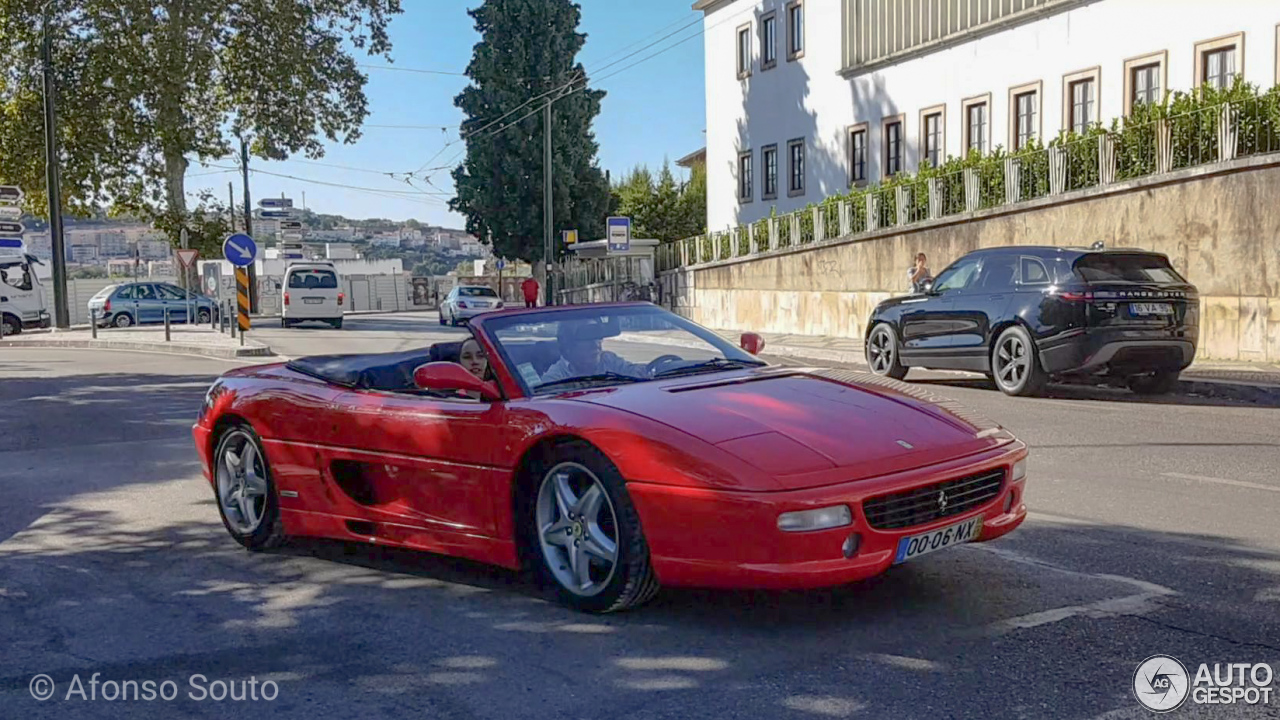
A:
(337, 324)
(285, 323)
(1161, 382)
(270, 531)
(204, 317)
(122, 320)
(12, 326)
(1015, 364)
(442, 318)
(882, 352)
(633, 581)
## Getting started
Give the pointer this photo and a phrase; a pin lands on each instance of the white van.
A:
(312, 293)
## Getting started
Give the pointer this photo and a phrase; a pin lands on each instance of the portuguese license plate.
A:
(925, 543)
(1151, 308)
(313, 301)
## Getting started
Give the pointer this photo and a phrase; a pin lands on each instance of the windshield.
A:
(1114, 267)
(476, 292)
(571, 349)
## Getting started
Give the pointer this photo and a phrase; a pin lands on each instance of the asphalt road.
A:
(1154, 531)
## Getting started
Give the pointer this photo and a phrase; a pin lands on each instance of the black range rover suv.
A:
(1024, 315)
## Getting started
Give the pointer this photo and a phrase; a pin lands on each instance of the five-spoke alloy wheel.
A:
(1014, 364)
(245, 492)
(587, 533)
(882, 353)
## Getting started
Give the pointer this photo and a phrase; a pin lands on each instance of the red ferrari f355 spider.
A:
(613, 448)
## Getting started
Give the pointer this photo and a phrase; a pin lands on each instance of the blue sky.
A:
(652, 111)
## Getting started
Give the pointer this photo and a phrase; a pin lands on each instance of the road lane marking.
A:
(1223, 481)
(1140, 603)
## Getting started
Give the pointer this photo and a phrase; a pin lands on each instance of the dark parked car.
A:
(146, 302)
(1025, 315)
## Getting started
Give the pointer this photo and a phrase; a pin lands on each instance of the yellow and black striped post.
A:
(242, 298)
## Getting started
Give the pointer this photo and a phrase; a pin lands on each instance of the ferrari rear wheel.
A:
(589, 542)
(245, 492)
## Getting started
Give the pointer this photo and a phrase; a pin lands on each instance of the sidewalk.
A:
(183, 339)
(1240, 380)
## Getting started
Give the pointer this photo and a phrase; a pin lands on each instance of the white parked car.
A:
(312, 293)
(467, 301)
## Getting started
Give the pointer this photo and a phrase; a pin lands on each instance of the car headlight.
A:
(1019, 470)
(820, 519)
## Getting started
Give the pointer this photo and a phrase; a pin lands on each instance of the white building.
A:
(113, 244)
(154, 249)
(385, 240)
(82, 253)
(339, 251)
(808, 97)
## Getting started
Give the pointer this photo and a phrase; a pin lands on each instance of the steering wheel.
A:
(659, 361)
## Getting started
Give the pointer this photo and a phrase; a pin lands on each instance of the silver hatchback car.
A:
(466, 301)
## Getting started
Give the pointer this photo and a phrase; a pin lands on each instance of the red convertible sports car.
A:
(612, 448)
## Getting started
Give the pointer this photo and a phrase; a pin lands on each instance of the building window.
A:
(1024, 115)
(1146, 84)
(1220, 68)
(1081, 105)
(976, 126)
(768, 41)
(769, 158)
(858, 154)
(795, 153)
(1219, 62)
(745, 179)
(795, 29)
(744, 51)
(1145, 80)
(931, 141)
(893, 146)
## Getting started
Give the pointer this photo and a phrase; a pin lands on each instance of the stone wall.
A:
(1219, 225)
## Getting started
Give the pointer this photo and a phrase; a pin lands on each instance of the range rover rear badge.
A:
(906, 444)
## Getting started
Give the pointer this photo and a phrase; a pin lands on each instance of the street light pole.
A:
(248, 224)
(62, 316)
(547, 220)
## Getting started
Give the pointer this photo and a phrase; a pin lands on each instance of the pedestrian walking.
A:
(530, 289)
(919, 273)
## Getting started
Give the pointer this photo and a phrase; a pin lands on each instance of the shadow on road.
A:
(1199, 394)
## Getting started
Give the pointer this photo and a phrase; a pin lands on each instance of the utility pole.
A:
(547, 220)
(248, 224)
(231, 207)
(62, 316)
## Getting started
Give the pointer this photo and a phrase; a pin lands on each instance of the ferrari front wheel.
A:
(589, 542)
(245, 492)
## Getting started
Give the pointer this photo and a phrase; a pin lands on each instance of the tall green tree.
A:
(146, 86)
(665, 210)
(526, 49)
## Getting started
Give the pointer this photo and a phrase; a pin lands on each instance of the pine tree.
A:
(527, 49)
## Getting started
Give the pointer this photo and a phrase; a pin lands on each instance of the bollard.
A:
(93, 322)
(235, 323)
(213, 318)
(242, 334)
(166, 324)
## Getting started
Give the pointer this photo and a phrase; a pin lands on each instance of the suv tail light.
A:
(341, 297)
(462, 305)
(106, 306)
(286, 298)
(1076, 296)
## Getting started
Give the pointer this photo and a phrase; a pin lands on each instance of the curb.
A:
(1229, 389)
(234, 353)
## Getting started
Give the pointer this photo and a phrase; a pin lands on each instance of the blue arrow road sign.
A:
(10, 242)
(276, 203)
(240, 249)
(619, 234)
(277, 214)
(500, 263)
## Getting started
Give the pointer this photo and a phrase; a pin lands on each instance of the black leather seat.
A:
(388, 372)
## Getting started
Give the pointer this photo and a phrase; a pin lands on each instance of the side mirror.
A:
(928, 286)
(752, 343)
(449, 376)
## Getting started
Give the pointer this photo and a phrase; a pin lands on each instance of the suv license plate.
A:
(1151, 308)
(313, 301)
(917, 545)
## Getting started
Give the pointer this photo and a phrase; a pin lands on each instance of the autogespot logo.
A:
(1161, 683)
